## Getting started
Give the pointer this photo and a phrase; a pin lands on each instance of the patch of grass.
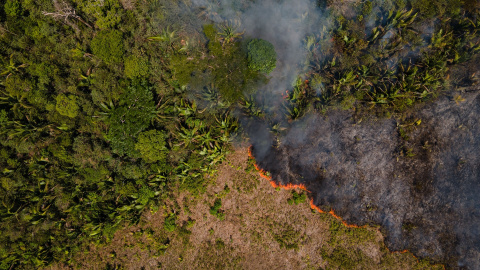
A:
(408, 226)
(215, 209)
(287, 237)
(190, 224)
(169, 224)
(340, 234)
(246, 182)
(219, 244)
(184, 234)
(218, 255)
(341, 258)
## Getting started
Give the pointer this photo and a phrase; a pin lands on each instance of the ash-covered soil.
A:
(419, 177)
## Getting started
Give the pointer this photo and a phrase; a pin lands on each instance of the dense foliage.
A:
(95, 125)
(261, 55)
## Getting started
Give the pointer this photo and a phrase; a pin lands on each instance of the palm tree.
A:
(229, 32)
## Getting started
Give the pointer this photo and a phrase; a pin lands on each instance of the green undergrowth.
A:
(215, 209)
(385, 70)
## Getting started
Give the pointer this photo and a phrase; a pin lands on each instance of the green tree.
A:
(128, 120)
(151, 145)
(261, 56)
(13, 8)
(108, 13)
(67, 105)
(108, 45)
(136, 67)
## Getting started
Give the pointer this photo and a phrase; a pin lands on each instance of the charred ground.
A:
(416, 176)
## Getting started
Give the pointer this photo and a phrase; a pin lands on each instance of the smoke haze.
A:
(283, 23)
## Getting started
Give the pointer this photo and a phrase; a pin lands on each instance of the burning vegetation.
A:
(419, 196)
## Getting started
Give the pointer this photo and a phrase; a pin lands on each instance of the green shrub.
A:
(430, 9)
(169, 224)
(215, 209)
(107, 13)
(210, 31)
(214, 45)
(261, 56)
(136, 67)
(297, 198)
(108, 46)
(288, 237)
(134, 115)
(145, 194)
(151, 145)
(67, 105)
(13, 8)
(367, 8)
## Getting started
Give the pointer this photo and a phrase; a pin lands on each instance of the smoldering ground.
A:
(422, 190)
(419, 186)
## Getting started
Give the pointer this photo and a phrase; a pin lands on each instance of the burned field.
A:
(417, 178)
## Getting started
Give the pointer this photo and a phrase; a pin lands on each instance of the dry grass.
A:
(260, 231)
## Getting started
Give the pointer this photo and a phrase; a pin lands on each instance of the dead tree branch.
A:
(65, 12)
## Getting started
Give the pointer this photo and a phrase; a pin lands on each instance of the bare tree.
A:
(64, 11)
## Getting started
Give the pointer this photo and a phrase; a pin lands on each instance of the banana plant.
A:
(185, 108)
(228, 125)
(216, 156)
(402, 19)
(251, 108)
(106, 110)
(22, 132)
(309, 43)
(276, 128)
(206, 140)
(17, 102)
(294, 113)
(167, 36)
(213, 97)
(186, 45)
(191, 134)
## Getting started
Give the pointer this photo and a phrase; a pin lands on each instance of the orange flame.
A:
(314, 207)
(264, 174)
(332, 212)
